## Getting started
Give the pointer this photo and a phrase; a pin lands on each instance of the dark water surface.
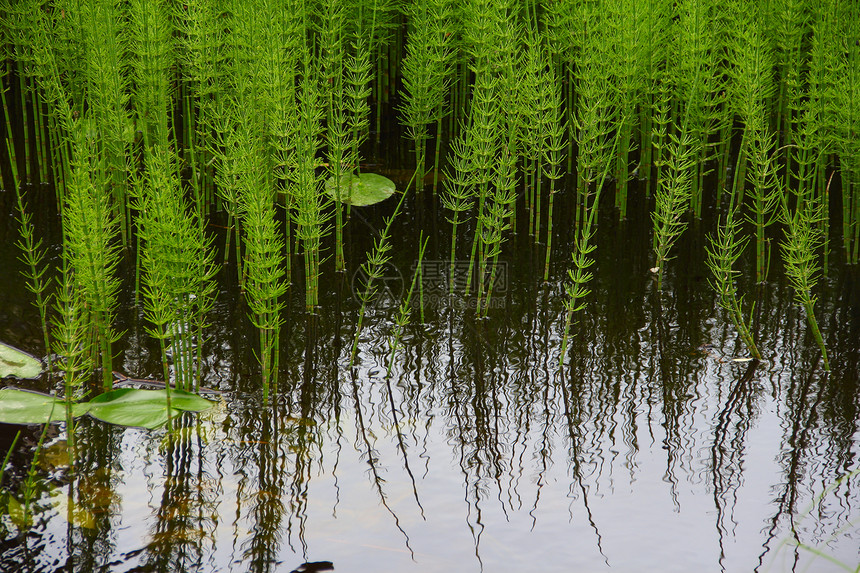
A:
(656, 448)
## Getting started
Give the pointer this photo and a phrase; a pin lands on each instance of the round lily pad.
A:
(361, 190)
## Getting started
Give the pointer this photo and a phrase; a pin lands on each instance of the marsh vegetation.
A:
(617, 223)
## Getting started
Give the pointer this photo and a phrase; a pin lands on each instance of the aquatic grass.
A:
(178, 268)
(91, 233)
(725, 248)
(627, 22)
(425, 70)
(372, 270)
(33, 255)
(799, 253)
(674, 192)
(151, 57)
(306, 199)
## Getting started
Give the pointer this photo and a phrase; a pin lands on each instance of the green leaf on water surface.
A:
(23, 407)
(14, 362)
(143, 408)
(361, 190)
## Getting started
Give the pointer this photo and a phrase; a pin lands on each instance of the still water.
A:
(656, 447)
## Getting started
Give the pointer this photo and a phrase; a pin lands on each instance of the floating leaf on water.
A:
(14, 362)
(143, 408)
(23, 407)
(361, 190)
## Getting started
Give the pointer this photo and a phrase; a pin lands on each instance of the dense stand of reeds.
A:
(151, 117)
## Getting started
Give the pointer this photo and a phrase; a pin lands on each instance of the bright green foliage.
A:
(177, 263)
(674, 191)
(91, 234)
(426, 69)
(724, 250)
(799, 252)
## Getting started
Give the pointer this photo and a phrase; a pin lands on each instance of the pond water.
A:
(657, 447)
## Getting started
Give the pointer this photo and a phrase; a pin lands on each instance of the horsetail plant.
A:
(579, 276)
(722, 254)
(458, 194)
(334, 101)
(371, 271)
(627, 20)
(307, 201)
(594, 121)
(426, 67)
(750, 89)
(494, 220)
(802, 240)
(698, 87)
(91, 231)
(177, 263)
(483, 143)
(265, 284)
(150, 46)
(199, 53)
(673, 196)
(553, 153)
(33, 256)
(69, 345)
(108, 95)
(404, 313)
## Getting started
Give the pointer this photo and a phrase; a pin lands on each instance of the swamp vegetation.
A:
(585, 271)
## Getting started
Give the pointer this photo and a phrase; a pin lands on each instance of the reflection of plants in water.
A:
(259, 106)
(818, 551)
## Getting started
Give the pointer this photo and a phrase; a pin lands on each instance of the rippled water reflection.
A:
(655, 447)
